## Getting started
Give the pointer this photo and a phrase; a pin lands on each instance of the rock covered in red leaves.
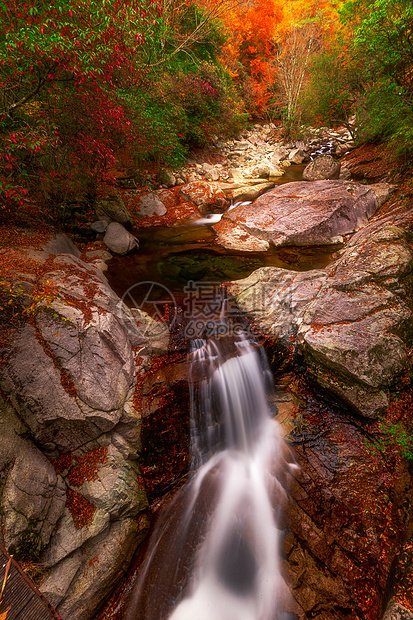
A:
(207, 196)
(177, 205)
(118, 240)
(348, 513)
(234, 237)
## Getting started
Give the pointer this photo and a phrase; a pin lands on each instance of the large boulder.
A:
(355, 335)
(266, 170)
(322, 167)
(73, 492)
(305, 214)
(32, 494)
(275, 299)
(297, 156)
(105, 559)
(351, 322)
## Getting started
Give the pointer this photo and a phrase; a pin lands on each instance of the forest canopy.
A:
(82, 81)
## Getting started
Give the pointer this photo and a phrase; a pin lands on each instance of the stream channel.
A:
(214, 552)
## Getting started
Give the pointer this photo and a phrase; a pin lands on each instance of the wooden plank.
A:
(36, 609)
(25, 601)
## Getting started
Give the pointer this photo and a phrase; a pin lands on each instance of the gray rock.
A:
(96, 354)
(303, 214)
(352, 320)
(322, 167)
(68, 537)
(275, 299)
(34, 386)
(105, 559)
(267, 171)
(33, 500)
(100, 226)
(396, 611)
(119, 240)
(58, 581)
(113, 208)
(276, 172)
(33, 496)
(150, 205)
(279, 155)
(354, 334)
(213, 175)
(70, 379)
(118, 488)
(297, 156)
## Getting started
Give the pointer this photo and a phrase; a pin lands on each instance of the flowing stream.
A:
(215, 552)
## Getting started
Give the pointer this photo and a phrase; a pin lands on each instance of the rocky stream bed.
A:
(94, 395)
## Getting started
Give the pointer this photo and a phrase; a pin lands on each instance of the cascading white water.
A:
(236, 572)
(232, 568)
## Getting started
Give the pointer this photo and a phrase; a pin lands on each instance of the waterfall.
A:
(215, 553)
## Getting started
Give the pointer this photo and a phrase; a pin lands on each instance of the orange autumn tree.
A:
(270, 45)
(298, 36)
(250, 50)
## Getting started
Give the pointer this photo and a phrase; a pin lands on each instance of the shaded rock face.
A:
(349, 511)
(164, 407)
(303, 214)
(112, 208)
(74, 497)
(33, 495)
